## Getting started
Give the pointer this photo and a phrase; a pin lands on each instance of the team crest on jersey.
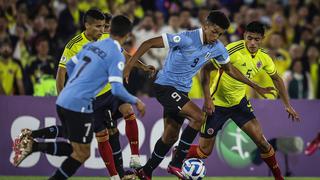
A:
(121, 66)
(259, 64)
(176, 39)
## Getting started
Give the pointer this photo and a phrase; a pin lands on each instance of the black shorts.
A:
(240, 114)
(172, 101)
(106, 111)
(77, 126)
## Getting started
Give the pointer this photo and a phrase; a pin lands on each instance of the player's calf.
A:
(132, 133)
(105, 151)
(81, 152)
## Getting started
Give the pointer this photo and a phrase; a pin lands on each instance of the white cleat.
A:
(135, 162)
(115, 177)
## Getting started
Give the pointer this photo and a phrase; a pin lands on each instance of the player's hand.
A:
(292, 114)
(126, 72)
(208, 106)
(141, 108)
(267, 90)
(151, 70)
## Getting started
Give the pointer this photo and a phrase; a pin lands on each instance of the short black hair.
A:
(93, 14)
(120, 26)
(255, 27)
(107, 17)
(218, 18)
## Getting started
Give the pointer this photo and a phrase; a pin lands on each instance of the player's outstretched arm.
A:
(139, 64)
(156, 42)
(236, 74)
(278, 83)
(208, 106)
(120, 91)
(60, 79)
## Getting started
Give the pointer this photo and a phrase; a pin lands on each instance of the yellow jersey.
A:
(9, 72)
(227, 91)
(73, 47)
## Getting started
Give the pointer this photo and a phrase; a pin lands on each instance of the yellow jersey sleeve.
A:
(66, 55)
(269, 66)
(73, 47)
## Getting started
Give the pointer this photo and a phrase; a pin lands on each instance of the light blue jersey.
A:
(186, 56)
(93, 67)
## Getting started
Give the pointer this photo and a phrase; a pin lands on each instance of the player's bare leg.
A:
(132, 133)
(81, 152)
(196, 118)
(105, 151)
(203, 149)
(254, 131)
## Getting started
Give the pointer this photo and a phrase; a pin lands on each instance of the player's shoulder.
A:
(78, 39)
(264, 53)
(220, 45)
(235, 47)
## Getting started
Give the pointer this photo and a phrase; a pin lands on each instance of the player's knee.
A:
(113, 131)
(81, 152)
(170, 140)
(102, 136)
(198, 120)
(126, 109)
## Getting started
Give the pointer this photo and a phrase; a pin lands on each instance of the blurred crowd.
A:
(33, 34)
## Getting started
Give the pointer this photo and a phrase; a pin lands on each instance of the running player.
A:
(98, 63)
(189, 51)
(230, 101)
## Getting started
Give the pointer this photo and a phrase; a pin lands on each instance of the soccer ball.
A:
(193, 169)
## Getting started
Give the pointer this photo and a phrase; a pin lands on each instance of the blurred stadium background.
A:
(38, 30)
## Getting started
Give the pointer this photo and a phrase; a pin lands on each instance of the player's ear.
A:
(86, 25)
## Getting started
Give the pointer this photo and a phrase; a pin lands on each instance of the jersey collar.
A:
(201, 35)
(118, 44)
(85, 37)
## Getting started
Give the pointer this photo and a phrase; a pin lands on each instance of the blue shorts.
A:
(240, 114)
(106, 111)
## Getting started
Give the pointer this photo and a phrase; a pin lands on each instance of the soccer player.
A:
(189, 51)
(98, 63)
(230, 100)
(95, 23)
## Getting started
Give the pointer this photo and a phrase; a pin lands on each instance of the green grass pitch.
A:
(155, 178)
